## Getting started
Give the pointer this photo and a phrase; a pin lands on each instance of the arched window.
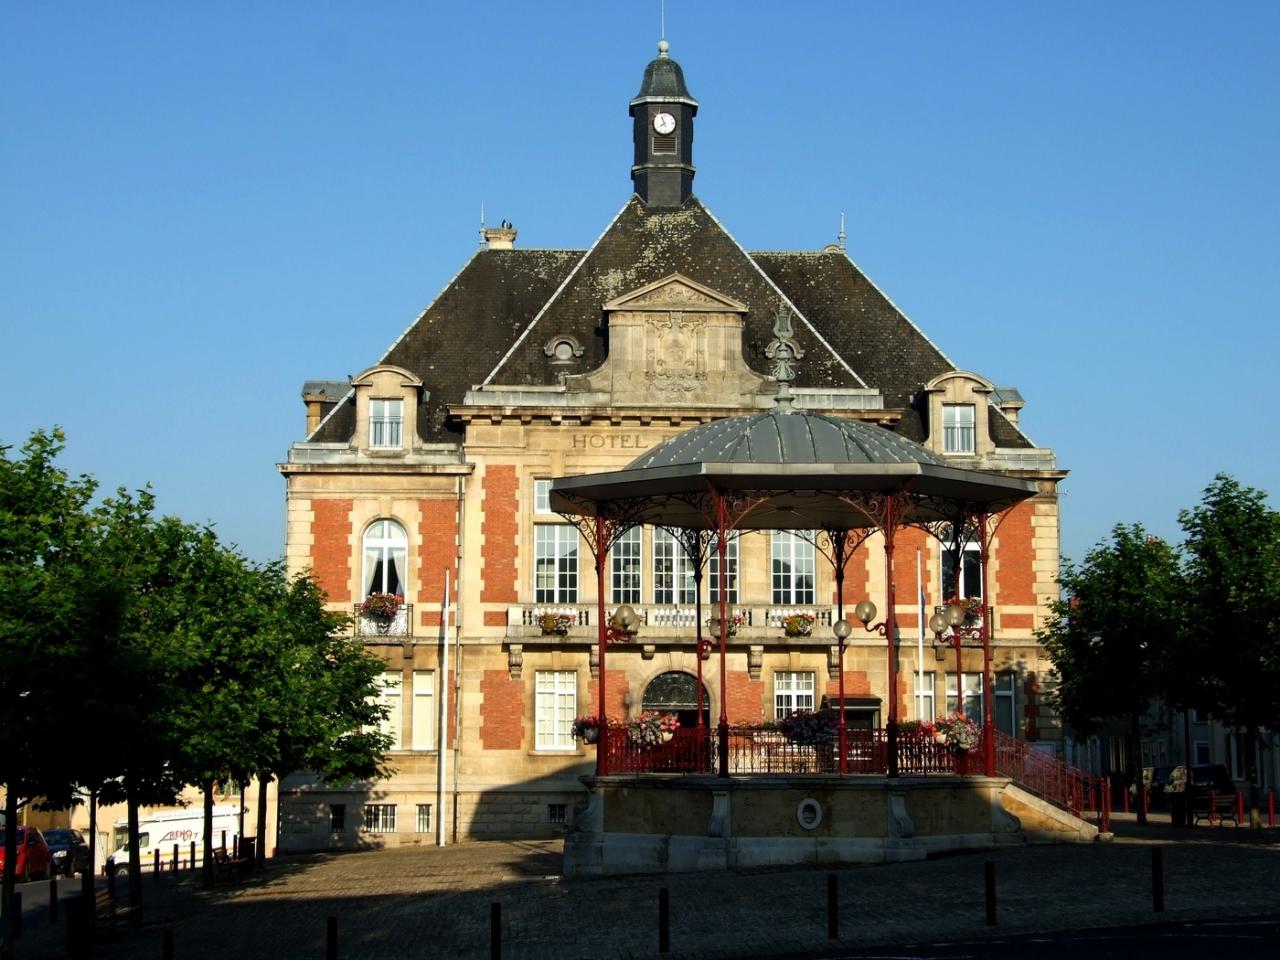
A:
(385, 549)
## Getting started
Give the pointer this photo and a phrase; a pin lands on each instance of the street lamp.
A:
(841, 629)
(865, 611)
(952, 619)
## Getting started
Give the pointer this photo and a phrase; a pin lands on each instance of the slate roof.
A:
(491, 322)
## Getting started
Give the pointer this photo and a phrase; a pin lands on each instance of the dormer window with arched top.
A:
(387, 400)
(957, 414)
(958, 428)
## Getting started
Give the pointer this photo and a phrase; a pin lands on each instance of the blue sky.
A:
(206, 205)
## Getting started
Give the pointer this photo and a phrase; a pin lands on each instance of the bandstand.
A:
(738, 795)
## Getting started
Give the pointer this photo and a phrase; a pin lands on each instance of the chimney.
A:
(500, 238)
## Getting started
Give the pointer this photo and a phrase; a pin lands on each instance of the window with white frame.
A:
(792, 690)
(542, 496)
(380, 817)
(424, 709)
(1200, 750)
(555, 563)
(1004, 707)
(385, 549)
(964, 580)
(792, 567)
(389, 698)
(386, 424)
(972, 696)
(957, 428)
(730, 566)
(624, 567)
(924, 694)
(672, 570)
(423, 819)
(555, 704)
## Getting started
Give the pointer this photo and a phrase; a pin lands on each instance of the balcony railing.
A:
(401, 625)
(674, 620)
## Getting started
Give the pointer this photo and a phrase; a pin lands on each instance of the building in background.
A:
(427, 476)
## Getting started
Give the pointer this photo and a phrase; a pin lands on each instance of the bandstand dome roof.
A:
(801, 470)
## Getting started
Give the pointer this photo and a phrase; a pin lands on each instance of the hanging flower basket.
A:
(798, 624)
(959, 733)
(732, 623)
(651, 729)
(586, 729)
(381, 609)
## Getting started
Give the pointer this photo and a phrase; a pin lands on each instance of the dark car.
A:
(1212, 776)
(33, 856)
(68, 853)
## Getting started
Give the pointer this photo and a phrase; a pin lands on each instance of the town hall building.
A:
(420, 501)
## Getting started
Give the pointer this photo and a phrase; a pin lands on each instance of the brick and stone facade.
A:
(539, 364)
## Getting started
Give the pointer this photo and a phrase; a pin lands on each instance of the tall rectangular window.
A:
(793, 567)
(965, 580)
(555, 563)
(731, 569)
(792, 691)
(957, 428)
(380, 817)
(337, 817)
(672, 570)
(1004, 707)
(924, 694)
(542, 496)
(972, 696)
(423, 819)
(555, 704)
(624, 567)
(389, 697)
(386, 424)
(424, 709)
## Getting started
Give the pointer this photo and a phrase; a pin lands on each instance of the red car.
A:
(33, 855)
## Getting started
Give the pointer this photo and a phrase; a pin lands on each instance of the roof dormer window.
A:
(386, 424)
(958, 428)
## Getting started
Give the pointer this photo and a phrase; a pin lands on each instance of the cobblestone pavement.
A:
(427, 902)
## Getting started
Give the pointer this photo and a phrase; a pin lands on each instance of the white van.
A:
(160, 831)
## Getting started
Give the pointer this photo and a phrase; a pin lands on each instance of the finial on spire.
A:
(663, 47)
(784, 352)
(840, 236)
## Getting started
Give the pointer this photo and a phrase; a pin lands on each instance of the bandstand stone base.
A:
(653, 823)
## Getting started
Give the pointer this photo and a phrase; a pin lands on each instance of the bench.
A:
(1208, 808)
(225, 865)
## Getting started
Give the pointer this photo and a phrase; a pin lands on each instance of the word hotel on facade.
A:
(428, 474)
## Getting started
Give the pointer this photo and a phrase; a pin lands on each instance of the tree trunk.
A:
(260, 851)
(207, 871)
(1254, 790)
(11, 857)
(135, 858)
(1135, 766)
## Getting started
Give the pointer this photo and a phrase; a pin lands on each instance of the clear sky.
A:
(204, 205)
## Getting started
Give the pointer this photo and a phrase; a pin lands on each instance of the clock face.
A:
(664, 123)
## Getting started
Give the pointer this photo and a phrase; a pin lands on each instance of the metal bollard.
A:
(155, 866)
(664, 920)
(1157, 880)
(331, 939)
(1213, 805)
(53, 899)
(193, 854)
(833, 909)
(495, 931)
(176, 848)
(166, 947)
(1239, 807)
(989, 886)
(224, 843)
(1271, 808)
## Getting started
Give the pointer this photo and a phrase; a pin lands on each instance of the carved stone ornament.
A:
(515, 660)
(563, 350)
(755, 660)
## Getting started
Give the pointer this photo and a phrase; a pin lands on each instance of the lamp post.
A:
(866, 612)
(841, 629)
(953, 620)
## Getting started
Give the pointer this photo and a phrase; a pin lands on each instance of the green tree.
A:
(1233, 603)
(43, 529)
(1109, 632)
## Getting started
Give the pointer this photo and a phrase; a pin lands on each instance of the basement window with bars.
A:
(557, 813)
(423, 824)
(380, 817)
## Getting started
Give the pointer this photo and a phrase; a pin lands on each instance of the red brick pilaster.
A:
(502, 711)
(498, 560)
(438, 526)
(1015, 567)
(331, 548)
(744, 698)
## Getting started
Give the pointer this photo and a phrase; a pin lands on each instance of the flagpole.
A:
(920, 643)
(443, 716)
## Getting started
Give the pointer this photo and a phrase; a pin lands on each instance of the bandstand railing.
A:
(1045, 775)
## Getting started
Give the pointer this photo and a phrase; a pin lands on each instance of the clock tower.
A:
(663, 115)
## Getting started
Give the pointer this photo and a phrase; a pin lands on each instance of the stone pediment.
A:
(675, 292)
(674, 341)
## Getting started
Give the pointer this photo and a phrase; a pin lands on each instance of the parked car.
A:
(33, 856)
(68, 852)
(1212, 776)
